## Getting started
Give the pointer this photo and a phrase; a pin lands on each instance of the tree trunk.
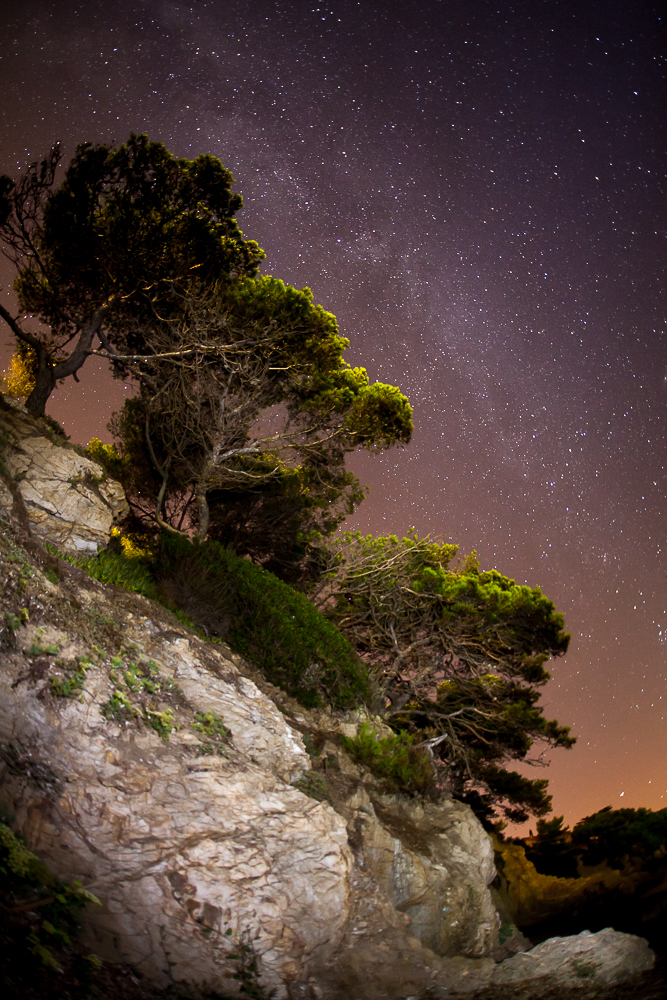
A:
(45, 383)
(48, 373)
(203, 512)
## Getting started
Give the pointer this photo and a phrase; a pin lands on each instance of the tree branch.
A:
(24, 335)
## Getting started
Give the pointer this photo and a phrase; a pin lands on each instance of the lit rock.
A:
(180, 843)
(67, 497)
(581, 965)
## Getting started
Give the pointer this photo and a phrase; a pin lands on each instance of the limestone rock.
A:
(184, 833)
(434, 862)
(180, 843)
(67, 497)
(580, 966)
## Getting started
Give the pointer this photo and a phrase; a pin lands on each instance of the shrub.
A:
(263, 619)
(108, 457)
(40, 914)
(395, 758)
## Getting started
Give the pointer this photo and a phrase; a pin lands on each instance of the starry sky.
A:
(477, 191)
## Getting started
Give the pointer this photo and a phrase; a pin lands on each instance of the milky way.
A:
(477, 192)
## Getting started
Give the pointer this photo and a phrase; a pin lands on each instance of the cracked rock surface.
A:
(67, 497)
(182, 835)
(140, 760)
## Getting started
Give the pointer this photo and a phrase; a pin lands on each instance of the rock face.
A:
(139, 760)
(68, 499)
(182, 841)
(158, 770)
(433, 861)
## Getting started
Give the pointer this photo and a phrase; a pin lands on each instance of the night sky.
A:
(476, 190)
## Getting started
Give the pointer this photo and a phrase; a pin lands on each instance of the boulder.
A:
(68, 498)
(583, 965)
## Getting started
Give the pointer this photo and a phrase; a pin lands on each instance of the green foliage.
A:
(129, 227)
(380, 416)
(263, 413)
(280, 524)
(505, 933)
(109, 566)
(552, 851)
(13, 622)
(215, 735)
(108, 456)
(140, 689)
(457, 655)
(243, 387)
(515, 625)
(618, 834)
(551, 830)
(161, 721)
(128, 234)
(396, 759)
(15, 858)
(72, 684)
(44, 911)
(119, 707)
(493, 786)
(262, 618)
(37, 649)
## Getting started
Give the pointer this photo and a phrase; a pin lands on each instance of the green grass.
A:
(114, 567)
(38, 650)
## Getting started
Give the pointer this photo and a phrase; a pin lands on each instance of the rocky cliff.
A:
(167, 776)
